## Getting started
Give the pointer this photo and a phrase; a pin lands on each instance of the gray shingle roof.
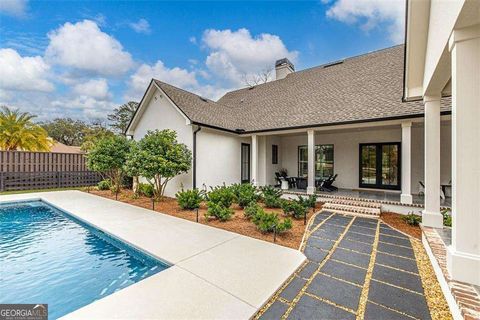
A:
(362, 88)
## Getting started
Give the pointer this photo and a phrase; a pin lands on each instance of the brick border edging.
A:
(465, 296)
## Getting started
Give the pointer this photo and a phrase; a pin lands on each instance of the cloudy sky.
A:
(81, 59)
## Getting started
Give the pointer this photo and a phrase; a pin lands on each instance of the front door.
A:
(380, 165)
(245, 163)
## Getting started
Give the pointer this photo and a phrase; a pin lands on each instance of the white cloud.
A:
(236, 54)
(370, 14)
(23, 73)
(141, 26)
(16, 8)
(175, 76)
(83, 107)
(95, 88)
(85, 48)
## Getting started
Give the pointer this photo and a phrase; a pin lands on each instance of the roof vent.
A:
(204, 99)
(331, 64)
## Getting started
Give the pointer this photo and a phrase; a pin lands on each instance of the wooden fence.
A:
(23, 161)
(20, 170)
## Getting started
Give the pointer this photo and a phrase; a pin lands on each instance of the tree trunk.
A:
(135, 185)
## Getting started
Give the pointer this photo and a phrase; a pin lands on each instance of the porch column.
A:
(406, 196)
(463, 256)
(431, 215)
(311, 162)
(254, 170)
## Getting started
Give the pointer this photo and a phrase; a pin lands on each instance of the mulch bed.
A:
(395, 220)
(238, 224)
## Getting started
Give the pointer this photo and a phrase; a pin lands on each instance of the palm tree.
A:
(18, 132)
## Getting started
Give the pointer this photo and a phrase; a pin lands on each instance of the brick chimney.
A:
(282, 68)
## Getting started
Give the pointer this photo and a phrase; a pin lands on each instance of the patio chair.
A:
(278, 179)
(421, 190)
(327, 185)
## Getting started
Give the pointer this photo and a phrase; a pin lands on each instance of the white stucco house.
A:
(443, 58)
(346, 118)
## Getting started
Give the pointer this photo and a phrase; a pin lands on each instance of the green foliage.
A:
(145, 189)
(447, 218)
(19, 132)
(66, 130)
(295, 208)
(121, 116)
(251, 210)
(94, 133)
(244, 193)
(412, 219)
(104, 185)
(308, 202)
(219, 211)
(268, 222)
(271, 197)
(271, 191)
(189, 199)
(221, 195)
(159, 157)
(108, 157)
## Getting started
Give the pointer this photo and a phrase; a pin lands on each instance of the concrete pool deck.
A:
(214, 273)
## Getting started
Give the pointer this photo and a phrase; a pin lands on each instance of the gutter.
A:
(194, 160)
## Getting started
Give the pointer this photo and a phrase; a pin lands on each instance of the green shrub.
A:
(221, 195)
(219, 211)
(244, 193)
(104, 185)
(295, 208)
(268, 222)
(189, 199)
(145, 189)
(447, 218)
(272, 197)
(308, 202)
(412, 219)
(272, 201)
(251, 210)
(271, 191)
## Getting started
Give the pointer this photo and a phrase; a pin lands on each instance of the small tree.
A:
(108, 157)
(158, 157)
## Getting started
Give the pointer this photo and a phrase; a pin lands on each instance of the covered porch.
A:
(379, 161)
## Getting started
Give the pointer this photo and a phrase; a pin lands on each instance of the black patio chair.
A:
(278, 178)
(327, 185)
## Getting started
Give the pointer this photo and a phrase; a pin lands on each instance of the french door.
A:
(380, 165)
(245, 163)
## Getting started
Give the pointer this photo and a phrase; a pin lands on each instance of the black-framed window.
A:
(274, 154)
(380, 166)
(324, 160)
(245, 163)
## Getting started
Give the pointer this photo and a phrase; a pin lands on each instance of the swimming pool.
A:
(47, 256)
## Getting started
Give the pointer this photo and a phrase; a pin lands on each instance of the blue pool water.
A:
(47, 256)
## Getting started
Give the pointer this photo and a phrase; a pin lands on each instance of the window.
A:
(274, 154)
(323, 160)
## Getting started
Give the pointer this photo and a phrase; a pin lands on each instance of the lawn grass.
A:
(38, 190)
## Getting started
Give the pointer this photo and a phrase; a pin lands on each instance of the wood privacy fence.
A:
(22, 170)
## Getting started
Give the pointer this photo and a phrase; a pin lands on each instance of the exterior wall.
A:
(346, 152)
(218, 158)
(162, 114)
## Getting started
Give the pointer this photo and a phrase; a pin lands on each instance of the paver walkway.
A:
(357, 268)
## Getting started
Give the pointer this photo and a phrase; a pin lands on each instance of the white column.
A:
(463, 256)
(406, 196)
(311, 162)
(431, 216)
(254, 177)
(262, 161)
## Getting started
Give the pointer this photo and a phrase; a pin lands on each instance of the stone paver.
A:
(357, 267)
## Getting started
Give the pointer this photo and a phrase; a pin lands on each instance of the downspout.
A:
(194, 165)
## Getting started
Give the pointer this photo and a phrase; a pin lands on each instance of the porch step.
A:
(356, 203)
(351, 207)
